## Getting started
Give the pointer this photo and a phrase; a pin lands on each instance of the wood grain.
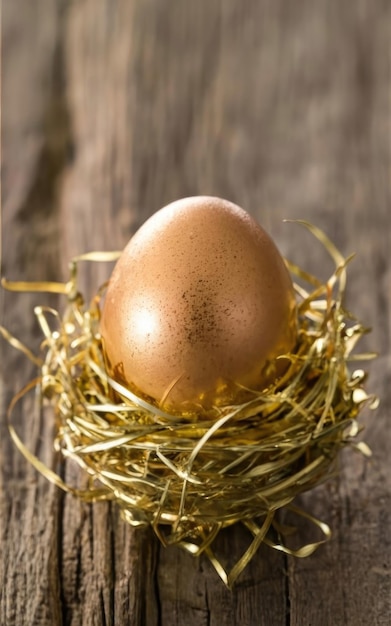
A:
(112, 108)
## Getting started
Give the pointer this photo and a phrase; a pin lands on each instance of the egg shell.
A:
(199, 306)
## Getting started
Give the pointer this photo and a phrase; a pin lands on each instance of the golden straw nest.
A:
(189, 476)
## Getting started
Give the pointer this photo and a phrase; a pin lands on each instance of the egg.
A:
(198, 308)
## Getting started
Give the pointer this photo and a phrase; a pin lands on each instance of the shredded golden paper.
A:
(189, 476)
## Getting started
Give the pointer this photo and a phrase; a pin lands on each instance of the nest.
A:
(189, 476)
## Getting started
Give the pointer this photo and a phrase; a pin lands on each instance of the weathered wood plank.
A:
(112, 109)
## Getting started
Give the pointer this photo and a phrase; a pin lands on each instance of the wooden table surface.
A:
(111, 109)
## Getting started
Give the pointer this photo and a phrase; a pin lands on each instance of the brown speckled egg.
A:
(199, 306)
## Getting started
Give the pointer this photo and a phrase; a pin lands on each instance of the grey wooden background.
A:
(112, 108)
